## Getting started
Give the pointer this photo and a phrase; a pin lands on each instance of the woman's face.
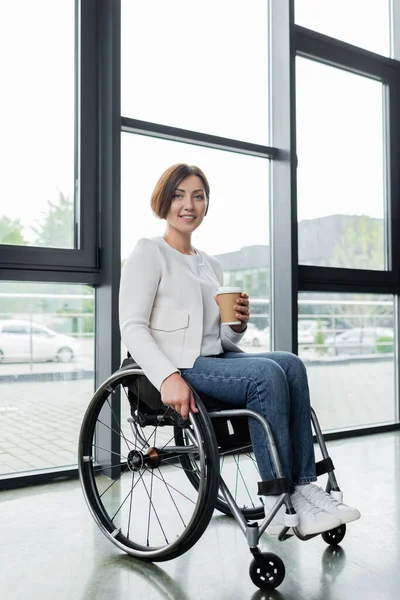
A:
(188, 205)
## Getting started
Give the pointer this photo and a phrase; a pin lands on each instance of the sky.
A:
(204, 70)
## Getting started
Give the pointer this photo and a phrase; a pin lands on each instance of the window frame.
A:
(331, 52)
(34, 263)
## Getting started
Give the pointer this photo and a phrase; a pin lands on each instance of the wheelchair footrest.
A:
(273, 487)
(324, 466)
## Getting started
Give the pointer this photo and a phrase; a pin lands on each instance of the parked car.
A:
(361, 340)
(305, 334)
(256, 337)
(24, 341)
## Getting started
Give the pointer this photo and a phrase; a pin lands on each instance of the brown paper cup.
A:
(226, 297)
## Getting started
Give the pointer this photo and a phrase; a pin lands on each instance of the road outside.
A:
(40, 420)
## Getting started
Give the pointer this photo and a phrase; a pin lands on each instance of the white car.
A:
(255, 337)
(305, 335)
(24, 341)
(361, 340)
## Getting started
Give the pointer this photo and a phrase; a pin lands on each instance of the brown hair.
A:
(161, 197)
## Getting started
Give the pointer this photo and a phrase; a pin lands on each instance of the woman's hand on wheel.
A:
(177, 394)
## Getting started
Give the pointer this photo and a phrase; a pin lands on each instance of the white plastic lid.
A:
(229, 290)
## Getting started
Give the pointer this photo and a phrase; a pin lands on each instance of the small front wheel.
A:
(333, 537)
(268, 571)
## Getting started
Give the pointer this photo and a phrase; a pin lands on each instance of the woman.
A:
(170, 324)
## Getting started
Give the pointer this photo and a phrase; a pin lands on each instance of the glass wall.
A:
(347, 342)
(341, 195)
(46, 372)
(37, 123)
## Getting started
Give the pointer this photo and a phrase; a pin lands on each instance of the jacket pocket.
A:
(164, 319)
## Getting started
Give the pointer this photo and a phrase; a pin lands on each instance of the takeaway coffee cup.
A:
(226, 297)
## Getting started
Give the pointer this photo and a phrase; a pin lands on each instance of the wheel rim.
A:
(144, 504)
(270, 574)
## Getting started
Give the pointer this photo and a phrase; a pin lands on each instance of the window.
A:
(208, 72)
(37, 123)
(341, 168)
(361, 23)
(347, 342)
(46, 372)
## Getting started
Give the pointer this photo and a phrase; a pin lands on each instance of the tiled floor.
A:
(50, 548)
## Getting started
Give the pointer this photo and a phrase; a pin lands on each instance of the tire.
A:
(268, 572)
(256, 342)
(143, 503)
(64, 355)
(333, 537)
(2, 357)
(239, 470)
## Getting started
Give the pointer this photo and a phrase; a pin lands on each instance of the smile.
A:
(187, 217)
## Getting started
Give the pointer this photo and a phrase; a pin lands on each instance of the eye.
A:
(176, 196)
(199, 197)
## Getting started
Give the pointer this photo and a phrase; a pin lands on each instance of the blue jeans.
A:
(273, 384)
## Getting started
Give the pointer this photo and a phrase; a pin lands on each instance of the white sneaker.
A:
(324, 501)
(312, 519)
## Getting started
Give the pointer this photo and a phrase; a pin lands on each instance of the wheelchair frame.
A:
(267, 570)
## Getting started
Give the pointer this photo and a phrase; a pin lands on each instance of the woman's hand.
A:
(242, 313)
(177, 394)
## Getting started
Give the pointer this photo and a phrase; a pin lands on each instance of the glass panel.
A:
(37, 57)
(361, 23)
(347, 342)
(238, 238)
(204, 70)
(46, 372)
(340, 176)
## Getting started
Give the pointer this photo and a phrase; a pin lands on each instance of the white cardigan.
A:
(161, 310)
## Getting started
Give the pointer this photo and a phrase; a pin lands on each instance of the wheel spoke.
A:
(244, 482)
(113, 482)
(110, 451)
(130, 507)
(169, 491)
(175, 489)
(156, 514)
(117, 432)
(130, 492)
(119, 423)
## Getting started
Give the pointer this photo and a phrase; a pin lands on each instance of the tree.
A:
(56, 230)
(11, 232)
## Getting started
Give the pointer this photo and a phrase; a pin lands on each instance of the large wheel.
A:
(238, 468)
(132, 477)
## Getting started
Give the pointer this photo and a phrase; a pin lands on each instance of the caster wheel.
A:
(334, 536)
(269, 572)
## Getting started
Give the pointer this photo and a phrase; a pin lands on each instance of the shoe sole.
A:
(276, 529)
(317, 529)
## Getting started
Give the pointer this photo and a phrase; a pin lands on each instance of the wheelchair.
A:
(153, 480)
